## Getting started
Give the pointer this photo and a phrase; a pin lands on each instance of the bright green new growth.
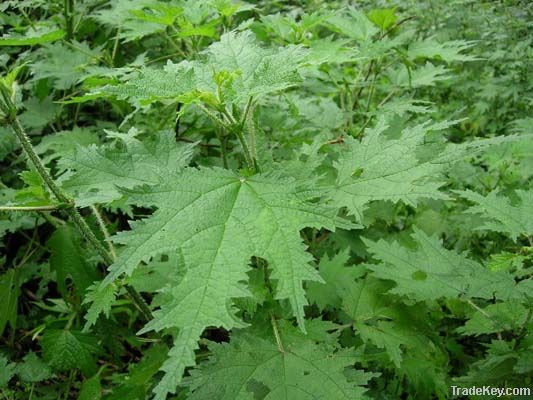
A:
(230, 71)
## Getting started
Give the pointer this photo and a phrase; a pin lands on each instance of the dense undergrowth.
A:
(212, 199)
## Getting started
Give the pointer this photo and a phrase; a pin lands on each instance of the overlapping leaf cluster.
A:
(288, 188)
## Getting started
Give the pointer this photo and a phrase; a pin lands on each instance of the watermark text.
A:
(490, 391)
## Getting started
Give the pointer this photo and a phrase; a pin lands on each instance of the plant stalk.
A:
(63, 197)
(68, 8)
(276, 334)
(29, 208)
(104, 231)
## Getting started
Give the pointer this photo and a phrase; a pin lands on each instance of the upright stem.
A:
(238, 128)
(223, 151)
(115, 47)
(105, 232)
(279, 343)
(247, 120)
(67, 10)
(36, 161)
(235, 127)
(63, 197)
(247, 155)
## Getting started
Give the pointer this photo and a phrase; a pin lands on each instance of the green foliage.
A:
(503, 216)
(264, 200)
(432, 272)
(65, 350)
(9, 286)
(68, 262)
(280, 367)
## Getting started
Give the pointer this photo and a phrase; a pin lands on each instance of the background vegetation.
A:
(214, 199)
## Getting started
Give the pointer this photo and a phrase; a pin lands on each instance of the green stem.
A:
(239, 132)
(223, 149)
(247, 120)
(276, 334)
(67, 10)
(36, 161)
(105, 232)
(115, 47)
(23, 208)
(71, 377)
(214, 118)
(247, 155)
(71, 210)
(233, 126)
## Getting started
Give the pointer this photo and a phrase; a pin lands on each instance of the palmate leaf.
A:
(64, 350)
(426, 75)
(503, 215)
(260, 70)
(33, 369)
(336, 276)
(63, 65)
(218, 220)
(7, 370)
(252, 367)
(173, 81)
(431, 272)
(451, 51)
(365, 299)
(121, 14)
(99, 170)
(405, 169)
(497, 317)
(391, 337)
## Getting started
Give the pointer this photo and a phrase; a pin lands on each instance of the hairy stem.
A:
(223, 150)
(238, 129)
(276, 333)
(247, 155)
(247, 121)
(68, 8)
(29, 208)
(63, 197)
(105, 232)
(115, 47)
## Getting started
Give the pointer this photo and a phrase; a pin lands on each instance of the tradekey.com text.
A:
(489, 391)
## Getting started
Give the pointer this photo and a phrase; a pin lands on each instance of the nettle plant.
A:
(276, 171)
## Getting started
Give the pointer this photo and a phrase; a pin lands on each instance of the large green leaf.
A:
(404, 169)
(238, 217)
(432, 272)
(99, 171)
(264, 368)
(504, 215)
